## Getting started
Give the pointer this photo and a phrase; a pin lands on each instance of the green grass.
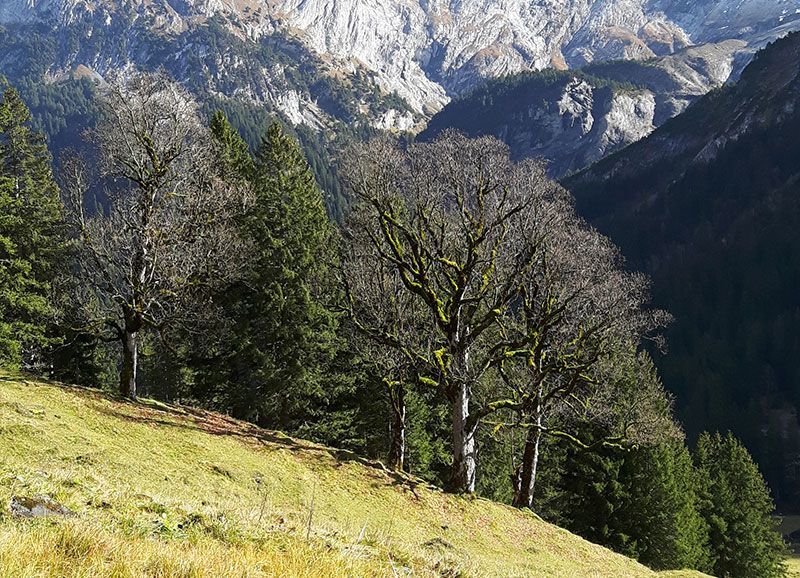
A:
(167, 491)
(787, 525)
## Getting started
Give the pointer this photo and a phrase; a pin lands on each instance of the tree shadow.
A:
(189, 418)
(201, 420)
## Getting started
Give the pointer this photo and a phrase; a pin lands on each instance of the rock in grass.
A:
(38, 507)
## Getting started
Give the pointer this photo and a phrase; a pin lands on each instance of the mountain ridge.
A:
(573, 118)
(431, 50)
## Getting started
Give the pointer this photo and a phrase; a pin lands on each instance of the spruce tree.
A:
(735, 502)
(641, 502)
(276, 366)
(234, 153)
(589, 497)
(31, 235)
(661, 509)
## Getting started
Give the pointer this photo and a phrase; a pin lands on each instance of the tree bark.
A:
(526, 480)
(127, 381)
(464, 456)
(397, 451)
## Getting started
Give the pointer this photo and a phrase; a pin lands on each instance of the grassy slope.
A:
(167, 491)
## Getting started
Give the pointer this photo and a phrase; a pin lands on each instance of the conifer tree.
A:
(30, 234)
(588, 495)
(661, 509)
(641, 502)
(735, 502)
(233, 150)
(274, 366)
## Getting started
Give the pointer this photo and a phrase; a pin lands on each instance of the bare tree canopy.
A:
(165, 233)
(391, 323)
(580, 321)
(462, 226)
(476, 271)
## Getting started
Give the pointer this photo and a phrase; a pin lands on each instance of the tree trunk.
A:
(526, 480)
(397, 452)
(127, 381)
(464, 458)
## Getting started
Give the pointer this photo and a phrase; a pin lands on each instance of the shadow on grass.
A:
(189, 418)
(196, 419)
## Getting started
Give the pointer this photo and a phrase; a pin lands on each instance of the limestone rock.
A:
(38, 507)
(428, 51)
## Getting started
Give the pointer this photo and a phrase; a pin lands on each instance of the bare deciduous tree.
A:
(390, 322)
(461, 226)
(578, 309)
(520, 301)
(165, 233)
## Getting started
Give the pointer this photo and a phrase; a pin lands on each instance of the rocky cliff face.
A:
(583, 125)
(216, 57)
(573, 119)
(429, 50)
(570, 121)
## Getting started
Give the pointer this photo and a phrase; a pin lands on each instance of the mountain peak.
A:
(430, 50)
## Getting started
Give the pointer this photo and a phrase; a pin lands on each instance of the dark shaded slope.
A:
(709, 205)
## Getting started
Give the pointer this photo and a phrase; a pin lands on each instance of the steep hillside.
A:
(765, 97)
(569, 119)
(708, 204)
(167, 491)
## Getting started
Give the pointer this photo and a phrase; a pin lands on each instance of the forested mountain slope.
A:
(169, 491)
(708, 205)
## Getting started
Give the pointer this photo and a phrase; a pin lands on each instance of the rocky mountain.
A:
(569, 119)
(343, 69)
(572, 119)
(209, 57)
(708, 206)
(425, 51)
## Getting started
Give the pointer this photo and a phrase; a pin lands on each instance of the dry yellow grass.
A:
(85, 549)
(165, 491)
